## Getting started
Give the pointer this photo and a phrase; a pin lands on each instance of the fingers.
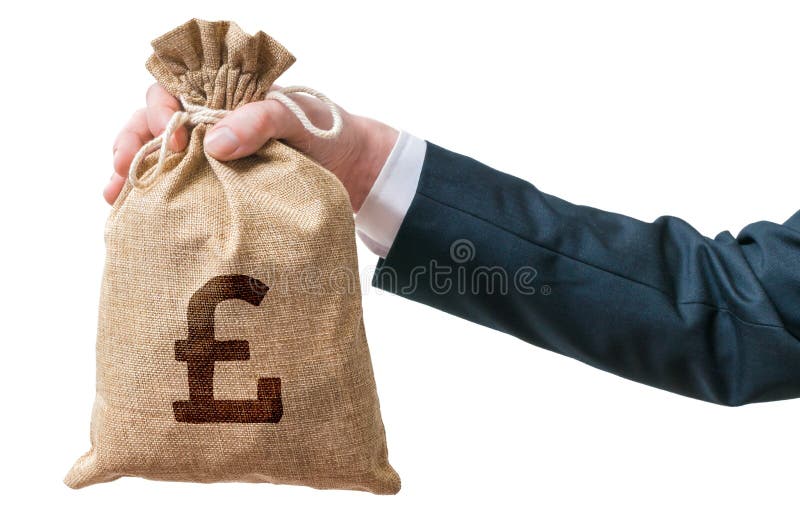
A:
(143, 126)
(113, 188)
(161, 105)
(239, 134)
(131, 138)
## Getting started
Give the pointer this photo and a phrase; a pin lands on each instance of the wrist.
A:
(375, 141)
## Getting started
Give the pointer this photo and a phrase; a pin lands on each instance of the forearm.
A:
(657, 303)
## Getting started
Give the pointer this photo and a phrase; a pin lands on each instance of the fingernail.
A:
(221, 142)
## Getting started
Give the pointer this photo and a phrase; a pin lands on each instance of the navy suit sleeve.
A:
(714, 319)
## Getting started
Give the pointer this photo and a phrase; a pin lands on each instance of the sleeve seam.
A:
(665, 294)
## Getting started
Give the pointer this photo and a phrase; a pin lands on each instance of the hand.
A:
(356, 156)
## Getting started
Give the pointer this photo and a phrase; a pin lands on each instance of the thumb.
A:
(246, 129)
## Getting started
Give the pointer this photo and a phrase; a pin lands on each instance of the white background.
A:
(689, 108)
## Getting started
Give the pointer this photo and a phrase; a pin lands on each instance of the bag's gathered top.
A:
(201, 105)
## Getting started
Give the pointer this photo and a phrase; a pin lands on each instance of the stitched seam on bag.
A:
(513, 233)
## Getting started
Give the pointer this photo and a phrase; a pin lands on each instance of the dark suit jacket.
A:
(715, 319)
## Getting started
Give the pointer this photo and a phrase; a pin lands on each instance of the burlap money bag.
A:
(230, 344)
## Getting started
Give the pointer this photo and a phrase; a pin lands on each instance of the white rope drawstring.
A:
(194, 115)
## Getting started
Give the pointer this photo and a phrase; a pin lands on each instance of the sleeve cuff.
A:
(385, 207)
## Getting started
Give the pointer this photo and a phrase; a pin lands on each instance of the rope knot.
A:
(194, 115)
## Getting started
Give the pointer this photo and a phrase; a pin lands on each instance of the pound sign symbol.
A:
(201, 351)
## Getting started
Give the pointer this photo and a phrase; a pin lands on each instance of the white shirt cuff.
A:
(385, 207)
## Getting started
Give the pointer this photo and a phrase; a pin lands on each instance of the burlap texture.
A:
(277, 218)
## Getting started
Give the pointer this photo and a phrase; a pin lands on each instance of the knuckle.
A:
(138, 123)
(260, 119)
(274, 107)
(139, 114)
(157, 118)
